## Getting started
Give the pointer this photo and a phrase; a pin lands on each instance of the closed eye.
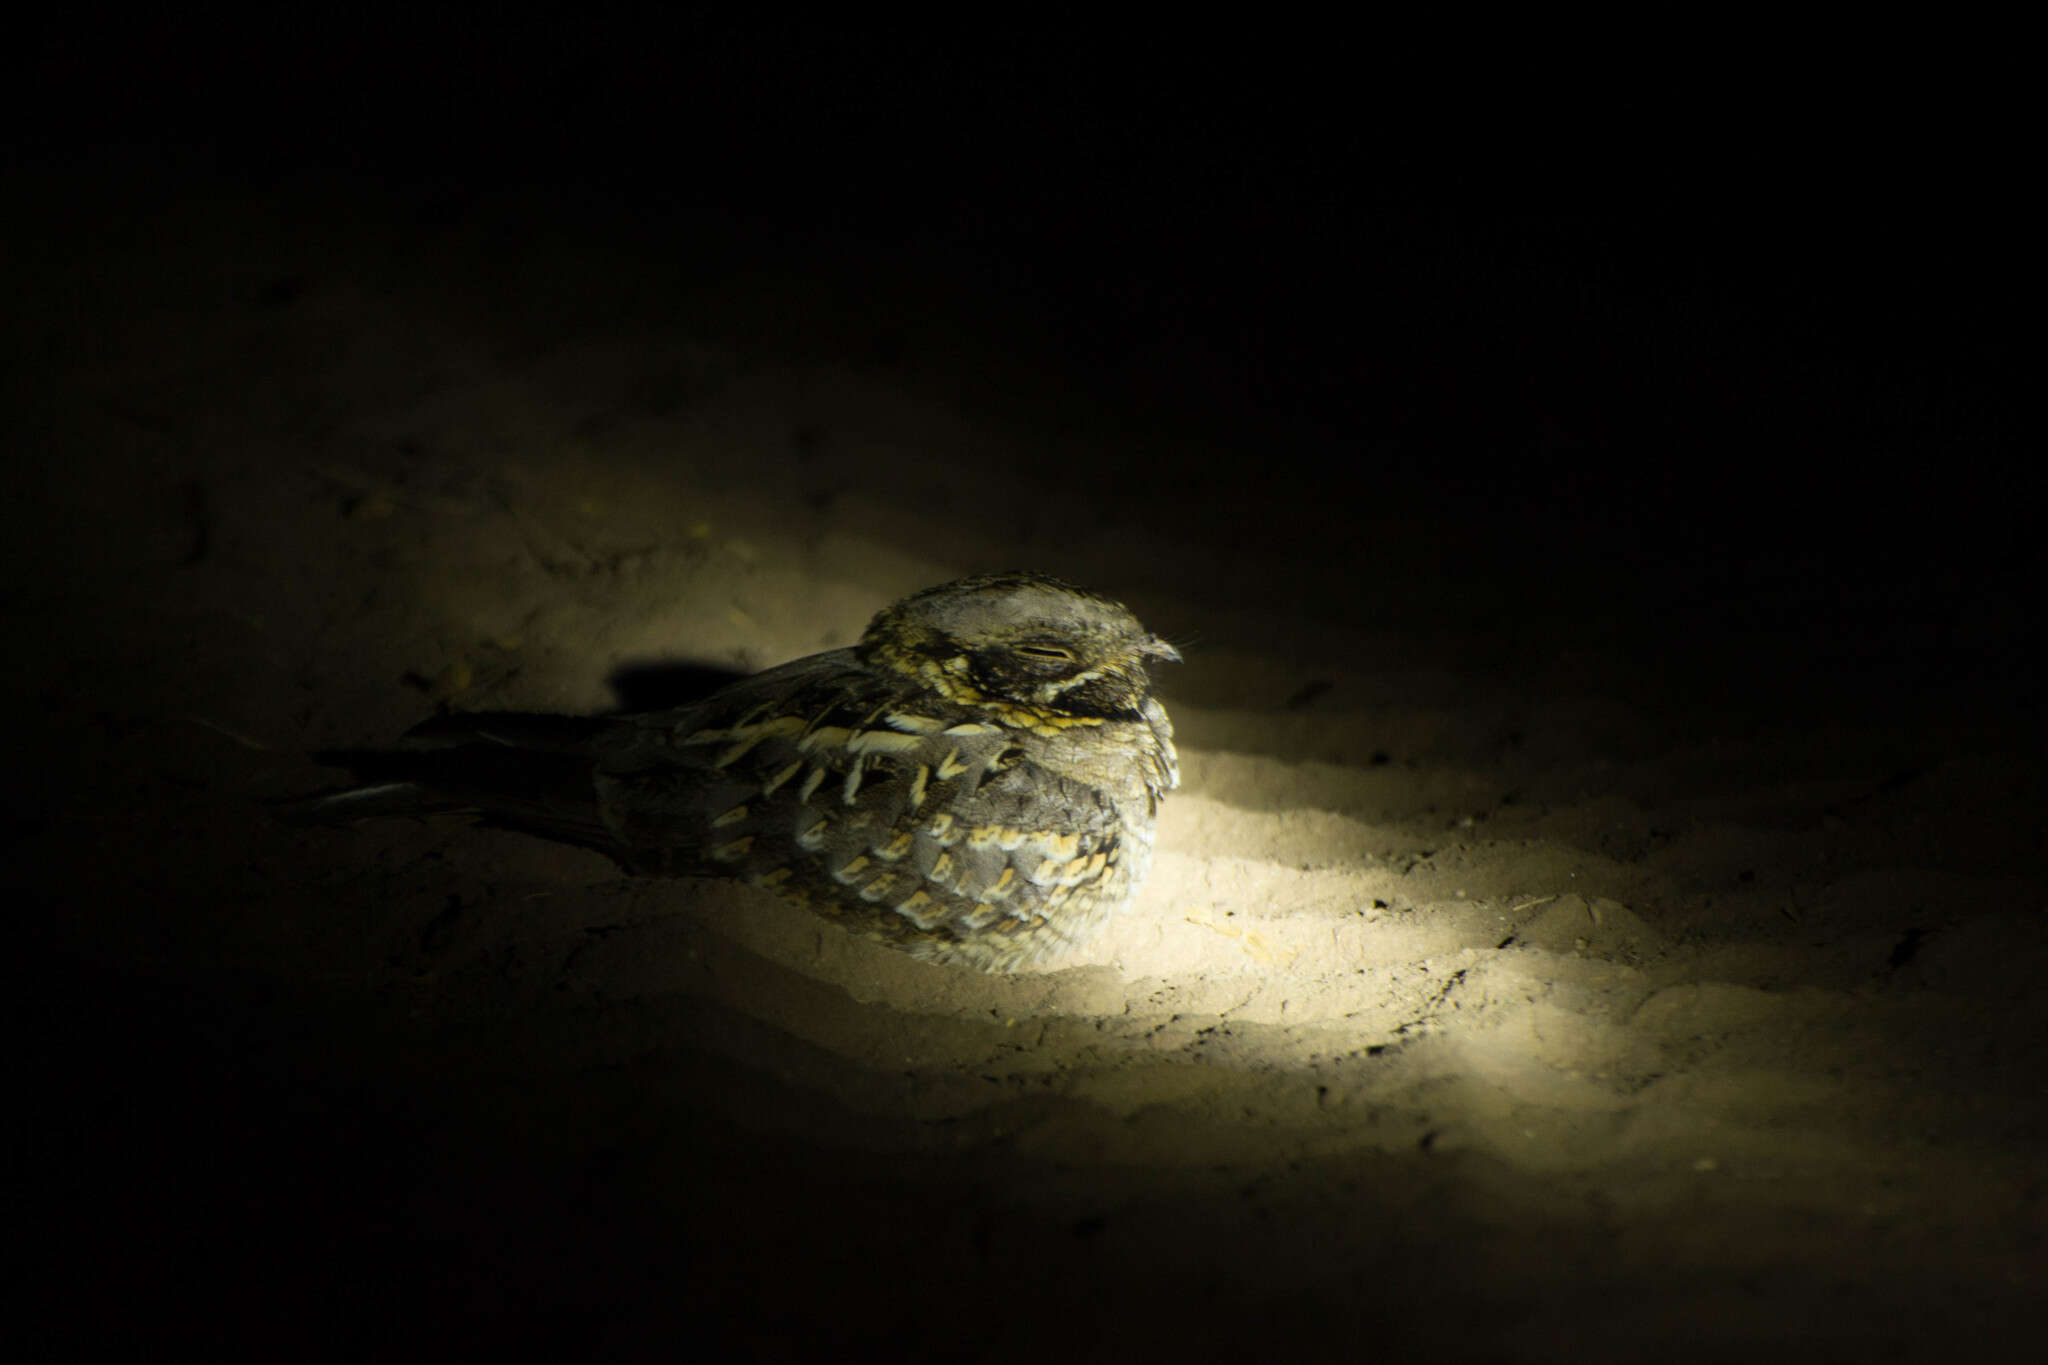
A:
(1046, 652)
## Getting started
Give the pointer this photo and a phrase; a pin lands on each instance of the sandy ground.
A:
(1557, 950)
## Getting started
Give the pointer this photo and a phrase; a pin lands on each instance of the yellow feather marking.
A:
(744, 737)
(1001, 888)
(915, 725)
(941, 827)
(941, 867)
(851, 788)
(1037, 719)
(853, 868)
(773, 879)
(768, 788)
(877, 888)
(951, 766)
(810, 786)
(894, 850)
(881, 742)
(813, 837)
(917, 782)
(914, 909)
(731, 817)
(815, 721)
(981, 836)
(970, 727)
(732, 852)
(824, 737)
(732, 755)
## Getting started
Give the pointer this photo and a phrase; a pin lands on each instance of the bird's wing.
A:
(664, 778)
(902, 811)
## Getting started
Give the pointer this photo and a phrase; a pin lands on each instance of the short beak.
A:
(1156, 648)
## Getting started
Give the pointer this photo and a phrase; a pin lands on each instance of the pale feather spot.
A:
(1061, 846)
(951, 766)
(731, 817)
(824, 737)
(733, 755)
(745, 737)
(810, 786)
(768, 788)
(882, 742)
(732, 852)
(920, 909)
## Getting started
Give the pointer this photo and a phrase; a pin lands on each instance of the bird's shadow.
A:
(661, 685)
(485, 749)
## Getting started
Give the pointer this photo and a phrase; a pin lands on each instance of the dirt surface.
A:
(1569, 942)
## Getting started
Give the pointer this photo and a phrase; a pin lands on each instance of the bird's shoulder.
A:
(831, 707)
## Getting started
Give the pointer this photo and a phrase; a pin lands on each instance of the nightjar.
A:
(975, 782)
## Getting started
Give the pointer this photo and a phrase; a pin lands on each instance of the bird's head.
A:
(1025, 645)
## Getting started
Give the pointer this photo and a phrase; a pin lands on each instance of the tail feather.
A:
(363, 803)
(530, 731)
(532, 773)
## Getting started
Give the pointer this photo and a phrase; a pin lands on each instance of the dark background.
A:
(1679, 279)
(1751, 356)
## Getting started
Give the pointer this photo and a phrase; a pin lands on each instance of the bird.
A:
(976, 782)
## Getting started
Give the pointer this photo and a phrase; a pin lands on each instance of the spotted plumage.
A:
(975, 782)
